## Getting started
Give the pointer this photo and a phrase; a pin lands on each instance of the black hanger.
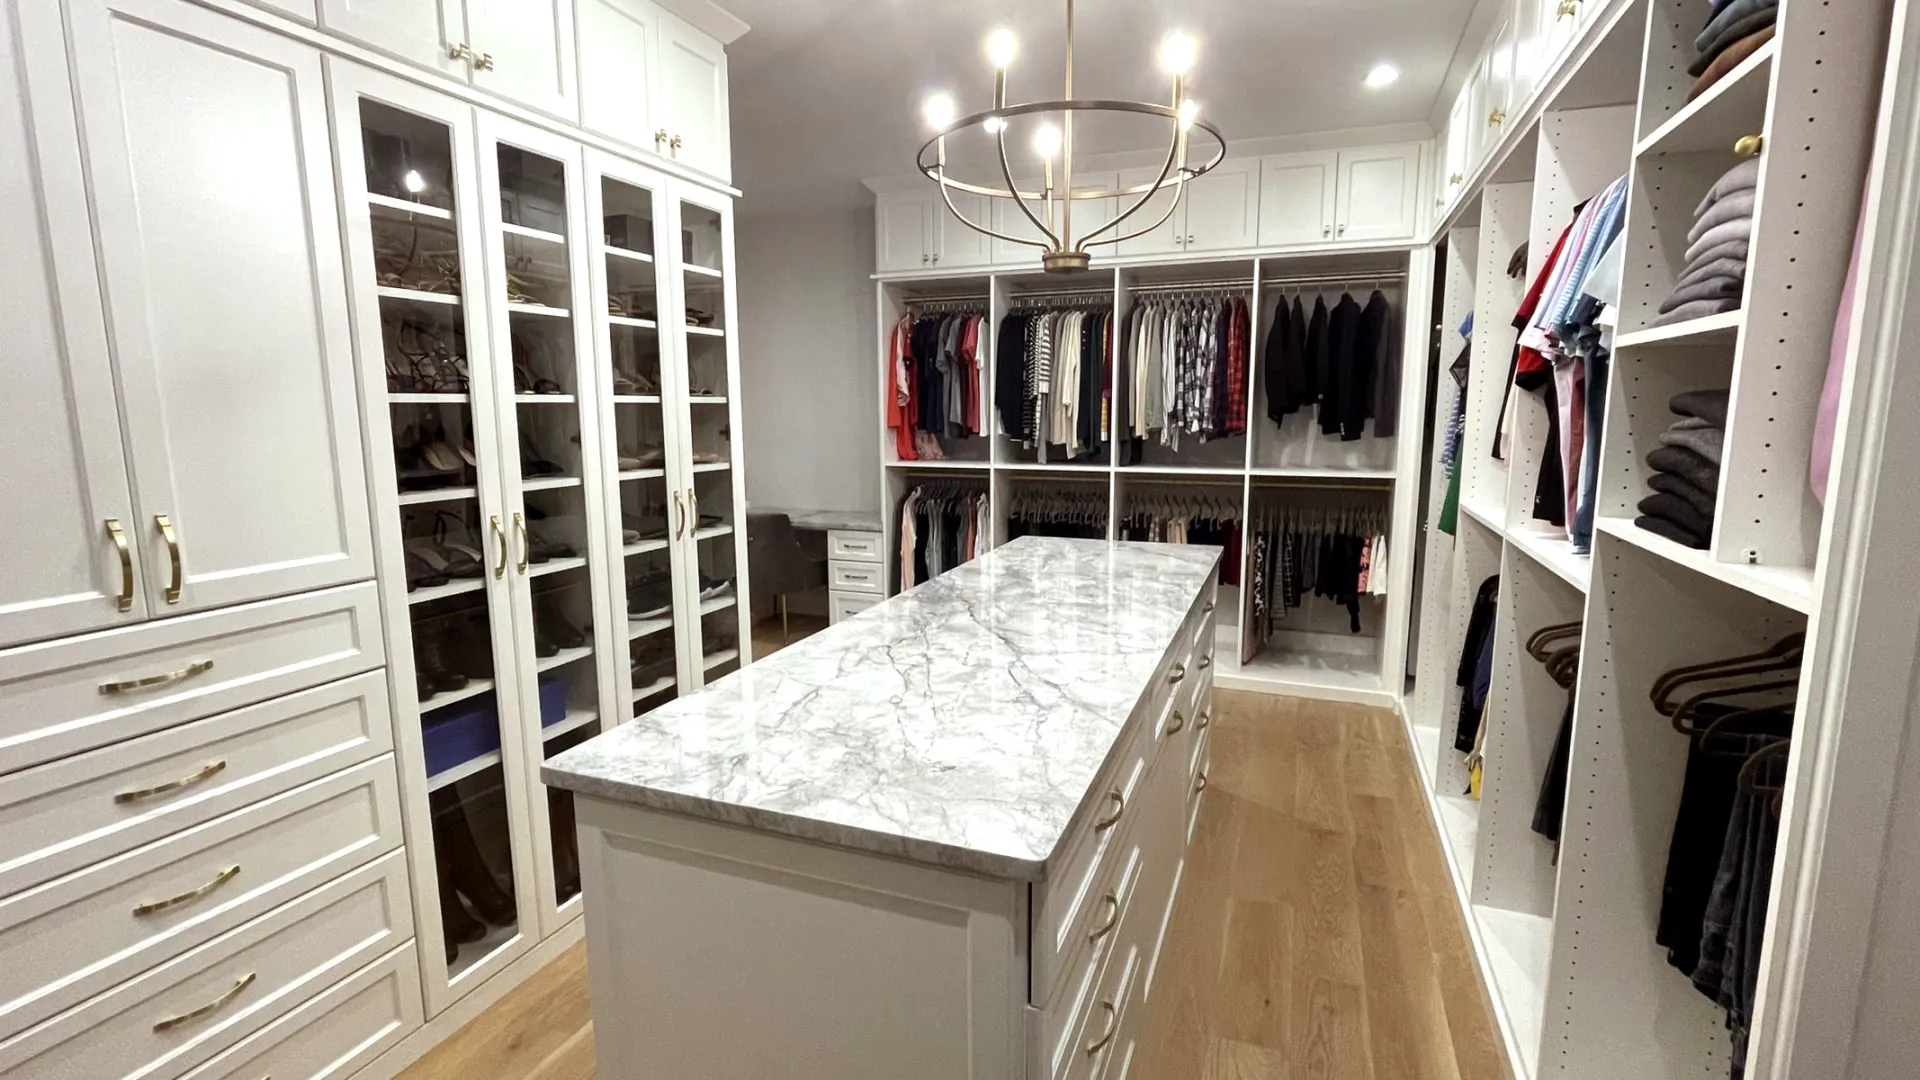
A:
(1784, 655)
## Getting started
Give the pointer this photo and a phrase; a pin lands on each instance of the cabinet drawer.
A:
(166, 1021)
(63, 697)
(853, 546)
(1070, 898)
(1100, 1028)
(337, 1033)
(66, 814)
(847, 605)
(856, 577)
(1086, 958)
(90, 930)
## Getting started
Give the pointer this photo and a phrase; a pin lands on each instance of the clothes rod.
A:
(935, 301)
(1332, 279)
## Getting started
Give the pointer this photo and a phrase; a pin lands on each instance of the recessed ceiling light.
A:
(1382, 75)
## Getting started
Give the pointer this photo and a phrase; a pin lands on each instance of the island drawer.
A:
(1069, 999)
(335, 1034)
(85, 932)
(1068, 903)
(847, 605)
(75, 694)
(79, 810)
(860, 577)
(853, 546)
(176, 1016)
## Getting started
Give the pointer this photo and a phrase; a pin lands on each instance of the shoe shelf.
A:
(715, 659)
(642, 474)
(636, 399)
(707, 399)
(418, 296)
(639, 628)
(549, 483)
(525, 233)
(573, 721)
(563, 658)
(427, 399)
(627, 254)
(441, 592)
(637, 324)
(711, 531)
(387, 203)
(555, 566)
(641, 547)
(656, 687)
(474, 688)
(713, 466)
(706, 331)
(434, 495)
(470, 767)
(702, 271)
(546, 399)
(718, 603)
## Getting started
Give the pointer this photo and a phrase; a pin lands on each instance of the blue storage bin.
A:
(553, 700)
(461, 732)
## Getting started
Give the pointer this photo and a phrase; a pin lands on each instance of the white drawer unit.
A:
(85, 932)
(65, 814)
(860, 577)
(335, 1034)
(847, 605)
(851, 546)
(63, 697)
(176, 1016)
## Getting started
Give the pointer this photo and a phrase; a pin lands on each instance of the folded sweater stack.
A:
(1735, 30)
(1716, 271)
(1686, 470)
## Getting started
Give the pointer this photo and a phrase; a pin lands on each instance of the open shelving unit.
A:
(1564, 934)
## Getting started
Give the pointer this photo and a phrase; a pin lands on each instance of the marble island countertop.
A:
(959, 724)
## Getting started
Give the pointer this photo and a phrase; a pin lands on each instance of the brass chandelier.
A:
(1061, 250)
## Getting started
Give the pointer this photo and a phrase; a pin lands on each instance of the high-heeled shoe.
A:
(431, 676)
(421, 574)
(551, 630)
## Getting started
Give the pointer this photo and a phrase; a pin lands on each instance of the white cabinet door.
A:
(419, 31)
(1223, 207)
(619, 71)
(1378, 186)
(1170, 236)
(1498, 77)
(1297, 198)
(693, 92)
(1559, 25)
(1459, 137)
(65, 476)
(957, 245)
(528, 50)
(903, 229)
(220, 247)
(1088, 215)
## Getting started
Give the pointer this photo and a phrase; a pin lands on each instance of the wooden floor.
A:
(1316, 935)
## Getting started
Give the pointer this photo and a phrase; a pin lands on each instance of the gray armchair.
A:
(781, 561)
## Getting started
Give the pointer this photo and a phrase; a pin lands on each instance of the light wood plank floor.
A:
(1316, 935)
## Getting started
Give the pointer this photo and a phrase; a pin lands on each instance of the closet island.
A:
(943, 838)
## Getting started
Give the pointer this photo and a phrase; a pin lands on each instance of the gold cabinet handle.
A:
(1750, 145)
(673, 144)
(157, 906)
(526, 543)
(210, 1007)
(119, 536)
(165, 525)
(658, 138)
(1113, 918)
(693, 513)
(1179, 723)
(1119, 807)
(460, 52)
(483, 61)
(1497, 116)
(1205, 662)
(1209, 608)
(198, 667)
(1179, 672)
(1455, 178)
(499, 538)
(680, 515)
(1200, 783)
(1568, 7)
(1113, 1025)
(1205, 721)
(205, 773)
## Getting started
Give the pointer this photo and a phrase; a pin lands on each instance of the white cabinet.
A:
(651, 79)
(65, 486)
(1297, 204)
(219, 257)
(527, 52)
(1218, 212)
(1460, 130)
(1560, 22)
(1378, 186)
(620, 70)
(914, 230)
(1088, 215)
(1498, 69)
(421, 32)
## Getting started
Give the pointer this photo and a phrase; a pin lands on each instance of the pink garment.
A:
(1570, 398)
(1829, 414)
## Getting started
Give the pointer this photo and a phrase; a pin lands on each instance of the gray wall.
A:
(808, 360)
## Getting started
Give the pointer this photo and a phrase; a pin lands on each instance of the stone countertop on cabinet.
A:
(833, 520)
(959, 724)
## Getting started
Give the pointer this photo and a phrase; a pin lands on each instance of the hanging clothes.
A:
(1478, 643)
(1330, 553)
(1188, 519)
(1076, 511)
(940, 526)
(1185, 367)
(1053, 375)
(935, 382)
(1345, 361)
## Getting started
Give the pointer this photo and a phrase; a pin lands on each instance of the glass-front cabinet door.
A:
(632, 266)
(429, 368)
(706, 370)
(537, 242)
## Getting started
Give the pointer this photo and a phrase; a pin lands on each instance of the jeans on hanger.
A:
(1582, 531)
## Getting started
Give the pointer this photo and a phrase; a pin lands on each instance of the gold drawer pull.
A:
(126, 562)
(1205, 662)
(1206, 718)
(1200, 782)
(1119, 807)
(207, 772)
(1749, 145)
(1179, 672)
(1209, 608)
(1113, 1024)
(165, 525)
(198, 667)
(499, 538)
(1113, 918)
(1179, 723)
(171, 902)
(209, 1008)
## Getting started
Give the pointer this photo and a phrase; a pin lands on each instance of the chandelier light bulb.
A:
(1382, 75)
(1189, 112)
(939, 111)
(1046, 141)
(1177, 52)
(413, 182)
(994, 124)
(1002, 47)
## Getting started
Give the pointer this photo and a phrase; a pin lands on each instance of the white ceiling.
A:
(826, 93)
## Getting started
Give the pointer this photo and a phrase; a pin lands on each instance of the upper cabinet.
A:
(1088, 214)
(693, 97)
(914, 230)
(1378, 186)
(522, 50)
(654, 80)
(1297, 200)
(1220, 211)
